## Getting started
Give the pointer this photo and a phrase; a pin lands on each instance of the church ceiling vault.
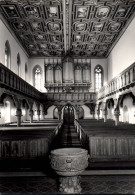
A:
(86, 28)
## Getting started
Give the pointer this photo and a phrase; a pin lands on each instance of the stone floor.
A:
(120, 184)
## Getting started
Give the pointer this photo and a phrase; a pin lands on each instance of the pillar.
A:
(98, 114)
(59, 114)
(18, 115)
(116, 114)
(31, 116)
(105, 115)
(38, 115)
(77, 115)
(93, 113)
(45, 113)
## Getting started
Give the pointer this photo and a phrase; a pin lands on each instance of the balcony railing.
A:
(66, 87)
(67, 84)
(89, 96)
(9, 80)
(13, 82)
(125, 79)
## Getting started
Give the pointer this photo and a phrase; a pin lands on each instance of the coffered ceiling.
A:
(86, 28)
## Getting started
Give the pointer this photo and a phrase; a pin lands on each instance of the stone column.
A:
(38, 115)
(31, 116)
(59, 114)
(98, 114)
(77, 115)
(105, 115)
(45, 113)
(18, 115)
(116, 114)
(93, 113)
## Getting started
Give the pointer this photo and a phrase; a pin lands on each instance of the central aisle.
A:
(69, 137)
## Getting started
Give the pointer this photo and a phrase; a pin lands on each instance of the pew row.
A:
(107, 142)
(27, 143)
(34, 123)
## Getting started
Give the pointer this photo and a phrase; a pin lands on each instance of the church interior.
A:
(67, 96)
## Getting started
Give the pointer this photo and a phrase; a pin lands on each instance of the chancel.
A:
(67, 96)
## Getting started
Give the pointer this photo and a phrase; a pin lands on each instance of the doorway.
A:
(68, 115)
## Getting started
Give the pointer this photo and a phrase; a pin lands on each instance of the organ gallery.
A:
(67, 96)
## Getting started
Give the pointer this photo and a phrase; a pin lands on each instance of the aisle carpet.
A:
(69, 137)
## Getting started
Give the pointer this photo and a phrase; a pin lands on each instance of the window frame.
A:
(8, 54)
(34, 70)
(102, 76)
(18, 65)
(26, 71)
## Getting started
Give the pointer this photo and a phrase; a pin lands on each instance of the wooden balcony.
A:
(85, 97)
(61, 92)
(67, 87)
(10, 81)
(124, 80)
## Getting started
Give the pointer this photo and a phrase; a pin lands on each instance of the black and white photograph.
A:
(67, 97)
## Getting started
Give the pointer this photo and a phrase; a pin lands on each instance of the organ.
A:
(68, 75)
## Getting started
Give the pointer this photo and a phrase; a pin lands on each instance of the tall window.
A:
(37, 77)
(7, 54)
(26, 70)
(18, 64)
(98, 77)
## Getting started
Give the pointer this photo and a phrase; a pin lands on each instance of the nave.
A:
(67, 96)
(30, 175)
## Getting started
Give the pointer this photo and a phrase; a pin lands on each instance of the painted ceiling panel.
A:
(88, 28)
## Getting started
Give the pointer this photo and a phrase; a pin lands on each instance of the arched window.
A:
(37, 77)
(7, 55)
(98, 77)
(18, 64)
(26, 71)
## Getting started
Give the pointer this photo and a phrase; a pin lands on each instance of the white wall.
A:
(123, 54)
(50, 112)
(15, 48)
(128, 101)
(12, 114)
(37, 61)
(87, 114)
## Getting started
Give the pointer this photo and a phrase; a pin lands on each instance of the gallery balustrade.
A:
(67, 87)
(9, 80)
(13, 82)
(125, 79)
(89, 96)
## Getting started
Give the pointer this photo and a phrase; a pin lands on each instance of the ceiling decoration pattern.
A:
(97, 24)
(38, 25)
(86, 28)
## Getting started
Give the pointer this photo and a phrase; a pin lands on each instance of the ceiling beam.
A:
(67, 17)
(64, 25)
(70, 24)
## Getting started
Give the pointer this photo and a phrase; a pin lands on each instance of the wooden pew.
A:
(26, 144)
(108, 142)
